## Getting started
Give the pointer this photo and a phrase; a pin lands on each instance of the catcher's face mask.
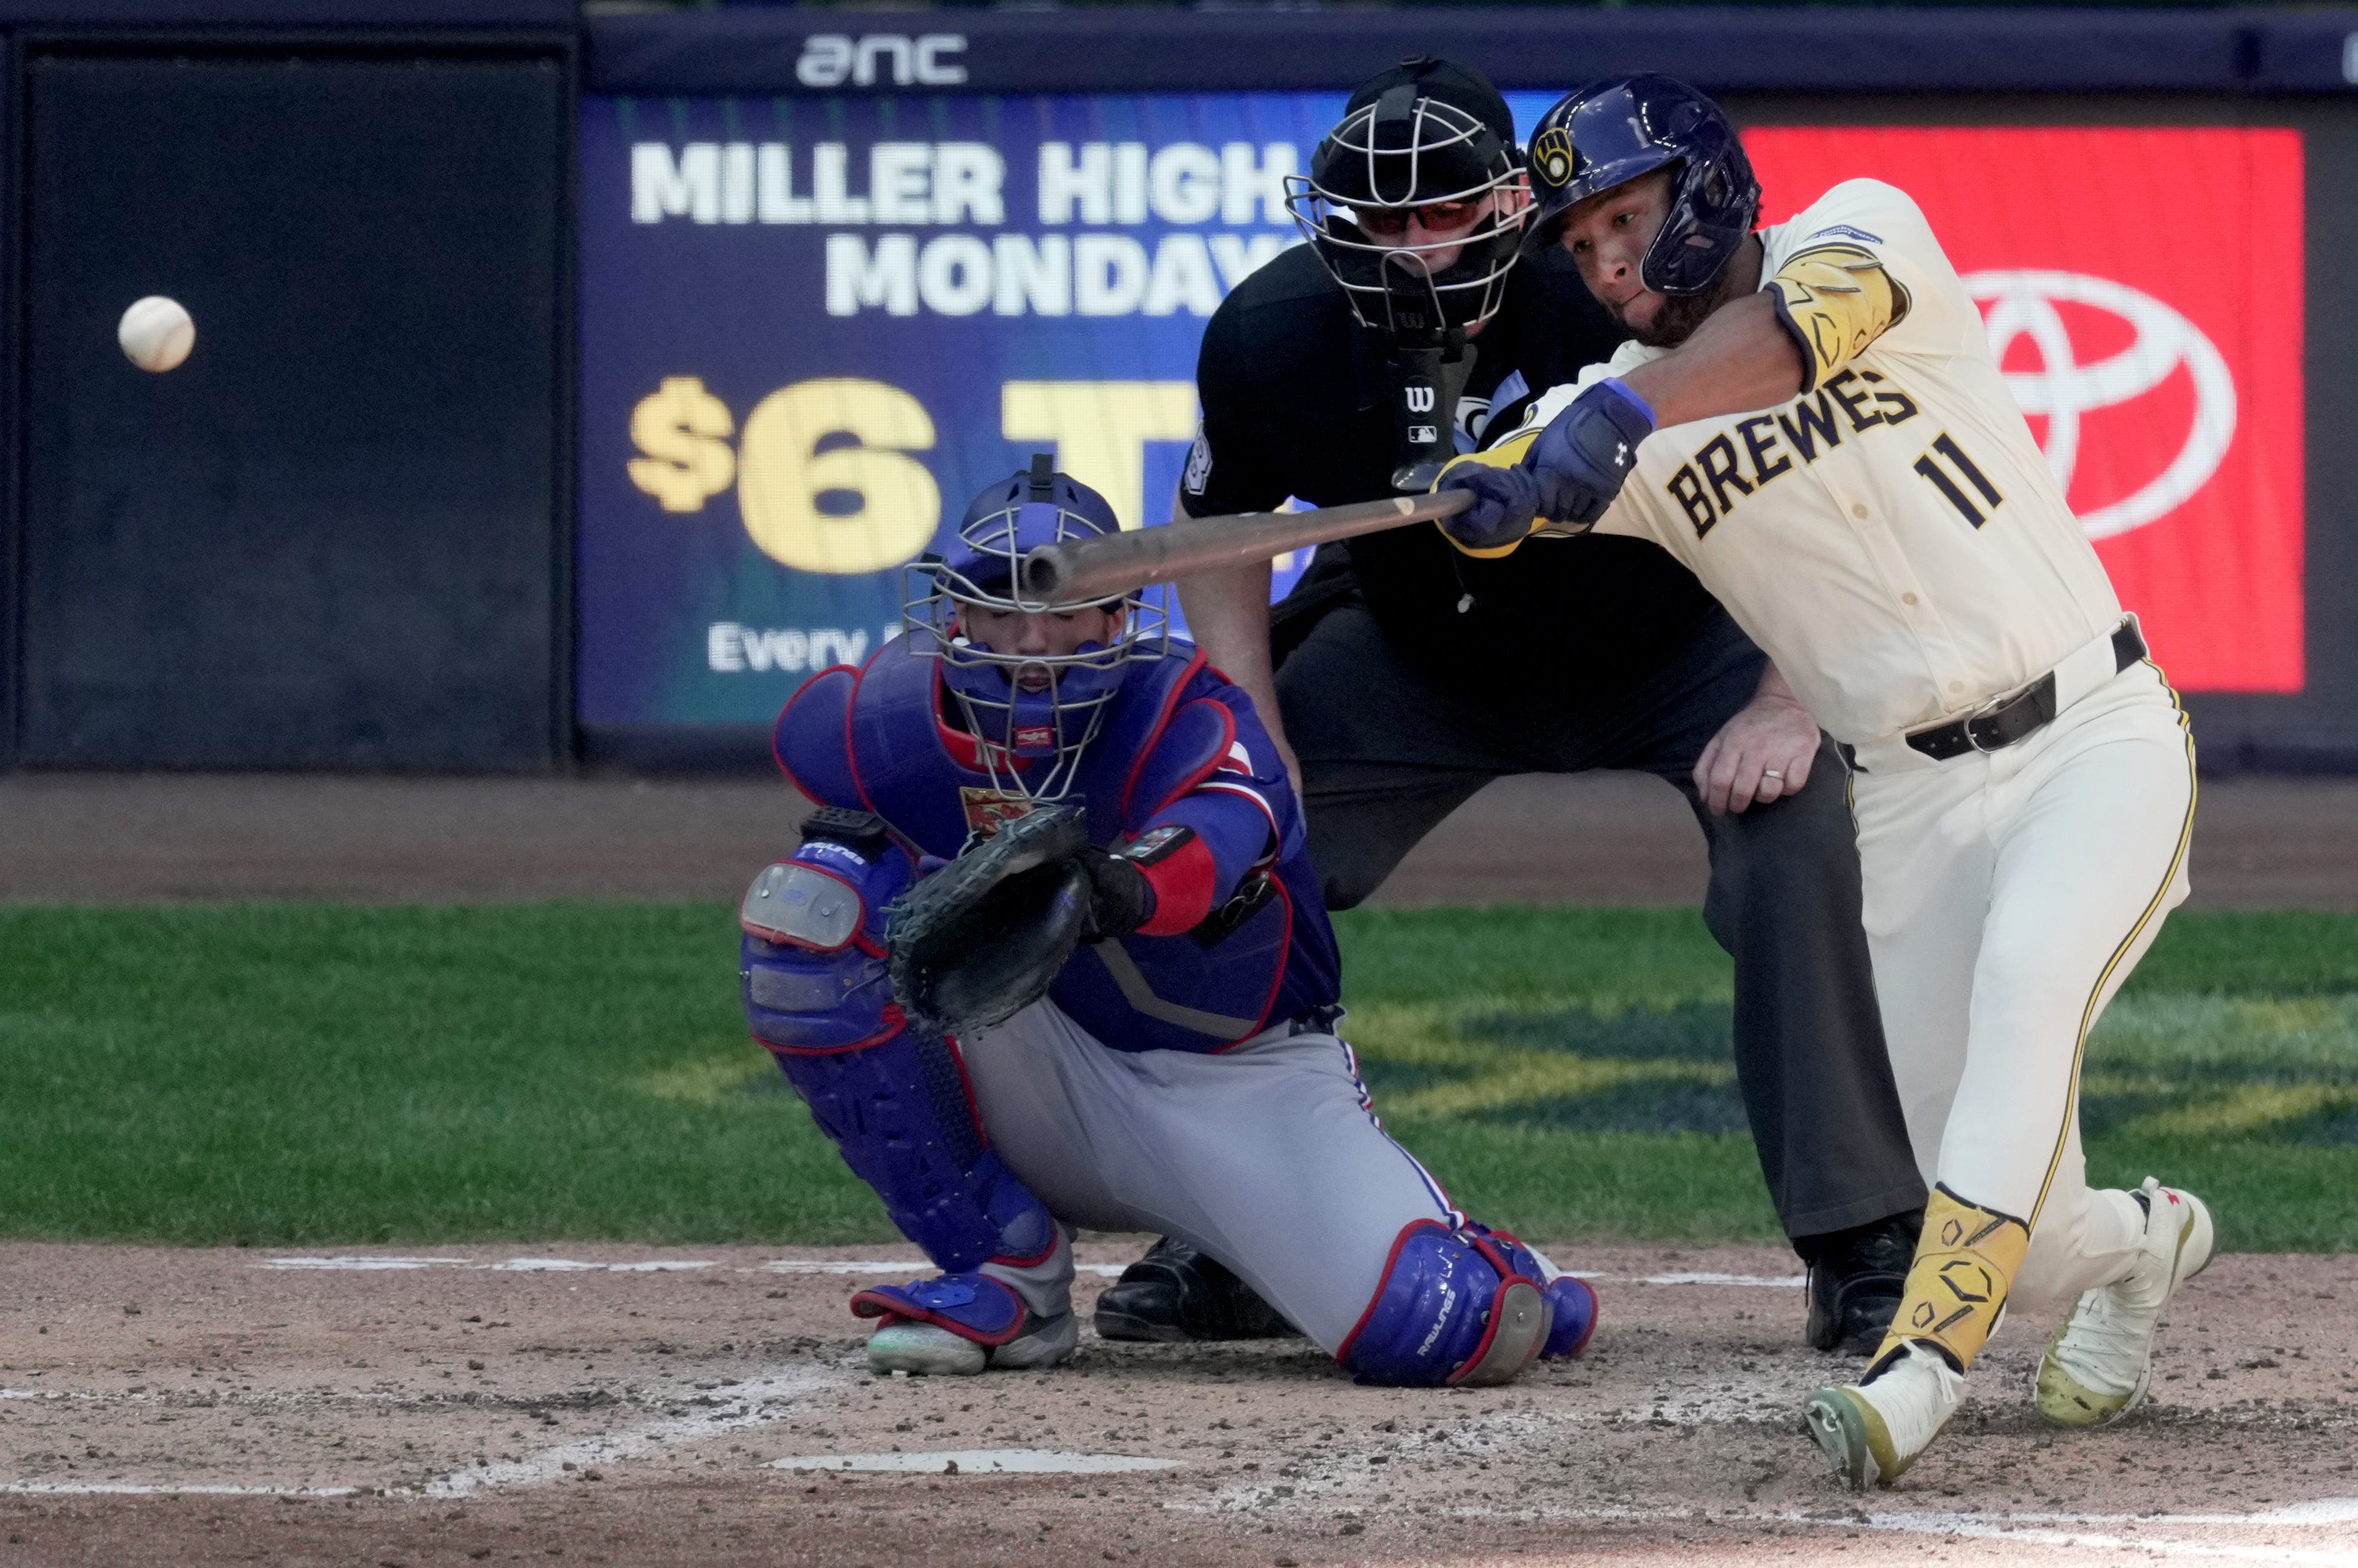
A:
(1041, 697)
(1039, 636)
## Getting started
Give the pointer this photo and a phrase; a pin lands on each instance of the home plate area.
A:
(612, 1404)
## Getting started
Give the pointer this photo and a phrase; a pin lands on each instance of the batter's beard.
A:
(1681, 314)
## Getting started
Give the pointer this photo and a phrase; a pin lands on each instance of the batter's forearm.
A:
(1741, 358)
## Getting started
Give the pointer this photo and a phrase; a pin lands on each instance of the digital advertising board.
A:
(2170, 408)
(811, 328)
(811, 332)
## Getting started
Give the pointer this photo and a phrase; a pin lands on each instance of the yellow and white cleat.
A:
(1872, 1430)
(2099, 1363)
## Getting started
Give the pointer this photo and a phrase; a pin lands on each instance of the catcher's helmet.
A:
(983, 567)
(1611, 132)
(1425, 132)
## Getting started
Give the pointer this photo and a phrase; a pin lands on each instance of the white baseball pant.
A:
(2007, 896)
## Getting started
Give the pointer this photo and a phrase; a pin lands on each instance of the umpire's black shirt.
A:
(1296, 404)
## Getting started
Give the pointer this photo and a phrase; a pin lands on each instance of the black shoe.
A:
(1177, 1293)
(1856, 1276)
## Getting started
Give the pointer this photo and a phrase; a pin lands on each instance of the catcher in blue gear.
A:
(1051, 954)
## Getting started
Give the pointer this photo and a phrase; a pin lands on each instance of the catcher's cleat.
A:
(925, 1350)
(2099, 1363)
(956, 1325)
(1871, 1432)
(1175, 1294)
(1855, 1280)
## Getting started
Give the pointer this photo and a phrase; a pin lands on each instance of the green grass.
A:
(325, 1076)
(1568, 1071)
(299, 1073)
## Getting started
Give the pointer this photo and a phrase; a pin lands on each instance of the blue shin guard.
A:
(1452, 1309)
(1572, 1316)
(1571, 1304)
(894, 1100)
(899, 1115)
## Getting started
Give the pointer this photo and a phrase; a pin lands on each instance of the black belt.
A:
(1997, 727)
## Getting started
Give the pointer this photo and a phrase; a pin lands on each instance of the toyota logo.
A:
(2022, 304)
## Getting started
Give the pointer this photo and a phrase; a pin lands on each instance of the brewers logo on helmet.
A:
(1553, 158)
(1612, 132)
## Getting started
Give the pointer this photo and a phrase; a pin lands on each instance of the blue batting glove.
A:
(1506, 504)
(1570, 475)
(1588, 452)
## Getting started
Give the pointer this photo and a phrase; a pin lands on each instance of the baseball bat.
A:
(1079, 571)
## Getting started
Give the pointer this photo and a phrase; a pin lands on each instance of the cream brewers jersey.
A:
(1893, 538)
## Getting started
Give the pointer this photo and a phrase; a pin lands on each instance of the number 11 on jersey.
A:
(1939, 476)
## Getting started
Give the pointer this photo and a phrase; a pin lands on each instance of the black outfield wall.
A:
(336, 537)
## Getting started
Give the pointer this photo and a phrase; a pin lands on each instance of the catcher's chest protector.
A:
(1208, 988)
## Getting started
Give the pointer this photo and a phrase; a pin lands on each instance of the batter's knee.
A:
(2039, 980)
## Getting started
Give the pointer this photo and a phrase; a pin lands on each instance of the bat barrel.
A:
(1079, 571)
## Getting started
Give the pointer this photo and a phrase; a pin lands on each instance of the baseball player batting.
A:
(1810, 420)
(1054, 955)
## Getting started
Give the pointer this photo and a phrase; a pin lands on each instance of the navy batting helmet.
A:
(1611, 132)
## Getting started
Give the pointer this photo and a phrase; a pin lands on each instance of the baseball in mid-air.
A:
(157, 334)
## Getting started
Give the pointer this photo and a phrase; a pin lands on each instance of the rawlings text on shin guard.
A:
(1451, 1309)
(893, 1099)
(1956, 1291)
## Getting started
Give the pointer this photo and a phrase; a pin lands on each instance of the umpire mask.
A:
(1415, 202)
(1425, 145)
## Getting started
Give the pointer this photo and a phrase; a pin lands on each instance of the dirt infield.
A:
(1596, 839)
(629, 1406)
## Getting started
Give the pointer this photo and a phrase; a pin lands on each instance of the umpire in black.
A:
(1407, 675)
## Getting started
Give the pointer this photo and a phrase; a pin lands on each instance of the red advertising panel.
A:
(2143, 290)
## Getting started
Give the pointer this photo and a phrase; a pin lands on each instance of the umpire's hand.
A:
(1763, 753)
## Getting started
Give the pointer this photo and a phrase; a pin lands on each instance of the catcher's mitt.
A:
(982, 939)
